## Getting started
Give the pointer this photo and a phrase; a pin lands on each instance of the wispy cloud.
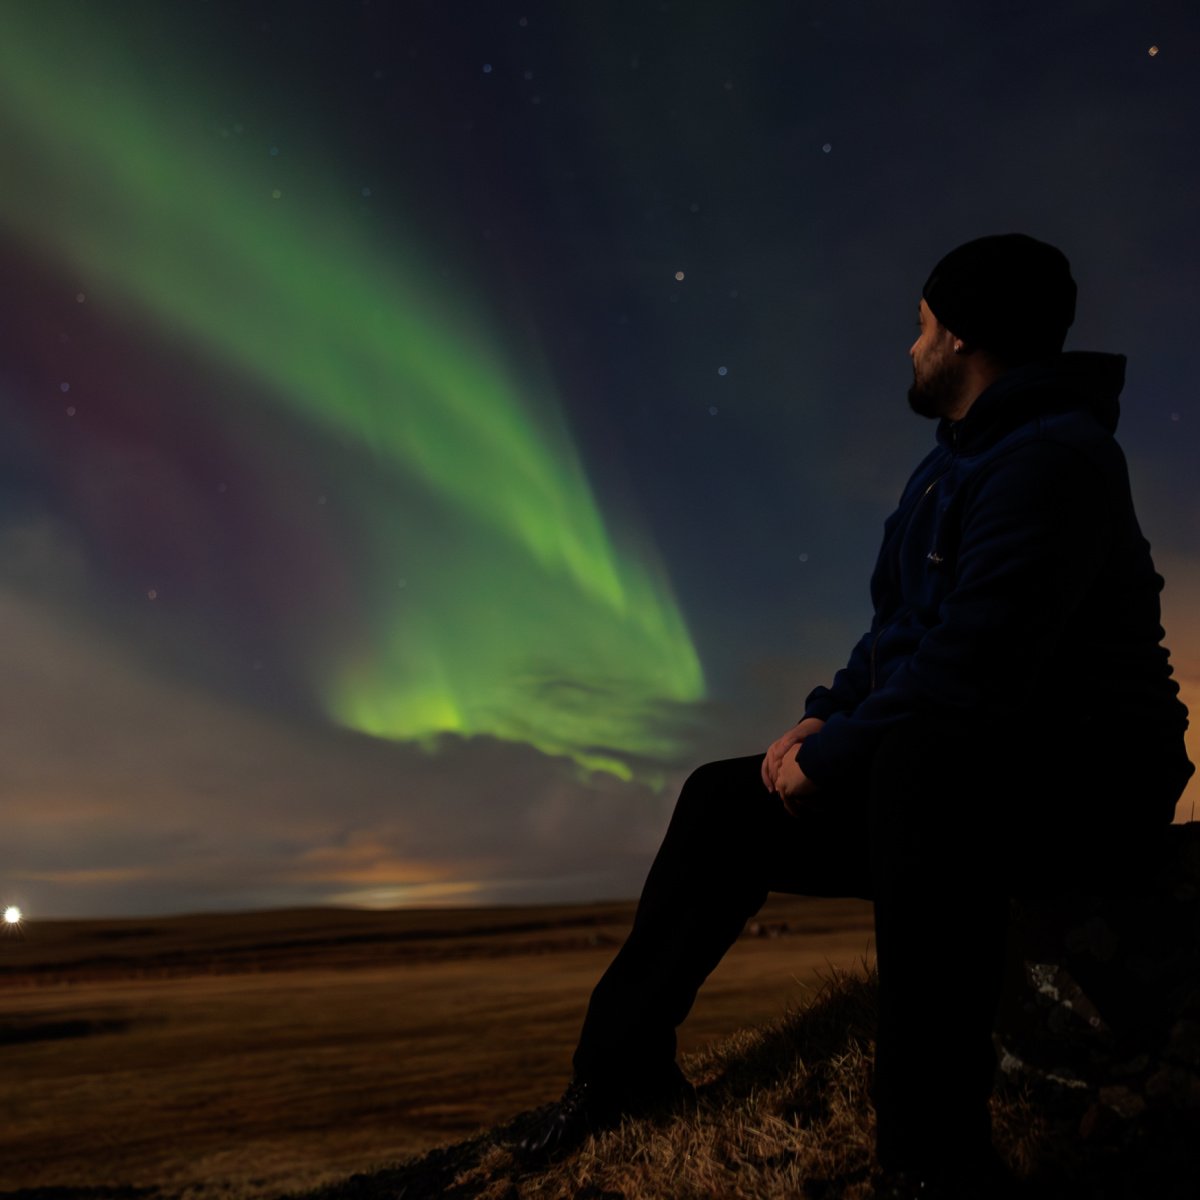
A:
(128, 790)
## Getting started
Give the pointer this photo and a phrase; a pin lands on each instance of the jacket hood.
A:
(1082, 380)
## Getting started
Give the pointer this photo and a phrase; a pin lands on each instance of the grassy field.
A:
(248, 1055)
(783, 1113)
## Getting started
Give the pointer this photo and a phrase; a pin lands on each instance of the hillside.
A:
(784, 1114)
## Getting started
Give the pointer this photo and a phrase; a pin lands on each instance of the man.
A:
(1007, 724)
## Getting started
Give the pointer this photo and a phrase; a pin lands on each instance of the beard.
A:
(937, 394)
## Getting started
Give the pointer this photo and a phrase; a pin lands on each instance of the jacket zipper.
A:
(932, 485)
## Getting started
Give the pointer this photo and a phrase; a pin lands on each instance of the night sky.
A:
(430, 429)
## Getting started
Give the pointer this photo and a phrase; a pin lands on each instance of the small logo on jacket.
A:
(934, 557)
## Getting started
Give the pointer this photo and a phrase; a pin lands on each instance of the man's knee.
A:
(722, 794)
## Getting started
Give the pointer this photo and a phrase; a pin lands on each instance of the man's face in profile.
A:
(937, 370)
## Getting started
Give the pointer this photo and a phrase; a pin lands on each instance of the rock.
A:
(1104, 995)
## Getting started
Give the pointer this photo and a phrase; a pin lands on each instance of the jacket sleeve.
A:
(1031, 545)
(850, 685)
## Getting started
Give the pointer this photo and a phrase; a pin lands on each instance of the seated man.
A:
(1009, 716)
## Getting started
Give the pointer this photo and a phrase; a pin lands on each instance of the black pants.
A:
(942, 827)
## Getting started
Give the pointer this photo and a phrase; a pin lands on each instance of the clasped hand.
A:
(781, 773)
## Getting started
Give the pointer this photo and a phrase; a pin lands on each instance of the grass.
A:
(243, 1056)
(784, 1114)
(266, 1056)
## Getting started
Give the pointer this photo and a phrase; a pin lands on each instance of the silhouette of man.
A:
(1007, 724)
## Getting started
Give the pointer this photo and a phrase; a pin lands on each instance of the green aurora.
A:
(521, 616)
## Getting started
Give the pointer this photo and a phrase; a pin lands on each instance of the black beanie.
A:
(1008, 293)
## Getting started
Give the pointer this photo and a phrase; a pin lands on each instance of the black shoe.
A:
(588, 1107)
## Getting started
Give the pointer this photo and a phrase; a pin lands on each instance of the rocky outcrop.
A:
(1105, 1004)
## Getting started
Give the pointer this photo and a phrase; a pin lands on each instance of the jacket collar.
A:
(1080, 380)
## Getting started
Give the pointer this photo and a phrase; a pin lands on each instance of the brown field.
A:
(249, 1055)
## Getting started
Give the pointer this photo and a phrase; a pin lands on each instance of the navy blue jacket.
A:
(1013, 581)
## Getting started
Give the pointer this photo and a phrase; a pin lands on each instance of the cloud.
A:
(129, 791)
(1180, 603)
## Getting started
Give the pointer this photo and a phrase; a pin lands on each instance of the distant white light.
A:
(722, 370)
(12, 915)
(804, 558)
(713, 410)
(827, 147)
(679, 276)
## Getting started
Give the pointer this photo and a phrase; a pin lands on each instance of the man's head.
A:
(992, 304)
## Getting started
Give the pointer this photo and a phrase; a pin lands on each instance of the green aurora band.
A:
(522, 618)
